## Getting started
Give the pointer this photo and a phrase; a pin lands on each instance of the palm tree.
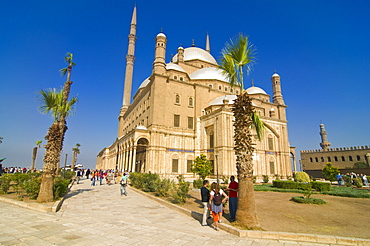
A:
(237, 58)
(76, 151)
(34, 153)
(52, 103)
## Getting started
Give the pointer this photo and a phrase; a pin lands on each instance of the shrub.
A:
(289, 185)
(347, 181)
(150, 182)
(181, 192)
(277, 176)
(347, 192)
(360, 164)
(5, 183)
(32, 187)
(301, 177)
(254, 179)
(136, 180)
(60, 187)
(300, 199)
(357, 182)
(164, 186)
(320, 186)
(265, 178)
(225, 179)
(198, 183)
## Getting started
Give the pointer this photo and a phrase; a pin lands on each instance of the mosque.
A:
(183, 109)
(313, 161)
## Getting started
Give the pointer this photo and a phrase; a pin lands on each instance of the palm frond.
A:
(258, 125)
(63, 71)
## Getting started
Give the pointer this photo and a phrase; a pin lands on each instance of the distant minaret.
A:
(277, 97)
(325, 145)
(208, 45)
(130, 58)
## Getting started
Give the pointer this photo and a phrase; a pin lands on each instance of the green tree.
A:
(34, 153)
(202, 166)
(360, 164)
(238, 57)
(330, 172)
(56, 103)
(76, 151)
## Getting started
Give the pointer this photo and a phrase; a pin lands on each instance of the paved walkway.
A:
(98, 215)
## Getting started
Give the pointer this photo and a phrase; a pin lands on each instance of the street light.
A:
(218, 182)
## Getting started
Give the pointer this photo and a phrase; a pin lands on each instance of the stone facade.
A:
(183, 109)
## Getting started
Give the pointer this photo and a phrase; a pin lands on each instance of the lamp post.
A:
(218, 182)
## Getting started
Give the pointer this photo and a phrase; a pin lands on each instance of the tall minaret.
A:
(325, 145)
(159, 64)
(277, 97)
(130, 58)
(208, 45)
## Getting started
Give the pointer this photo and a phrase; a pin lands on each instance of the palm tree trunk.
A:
(34, 154)
(51, 162)
(246, 213)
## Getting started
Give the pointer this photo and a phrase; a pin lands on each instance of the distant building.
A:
(340, 157)
(183, 109)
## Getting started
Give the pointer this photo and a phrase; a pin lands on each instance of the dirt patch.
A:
(341, 216)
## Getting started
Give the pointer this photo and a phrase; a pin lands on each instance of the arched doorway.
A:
(141, 147)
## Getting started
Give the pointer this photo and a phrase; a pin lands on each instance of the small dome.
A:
(180, 48)
(194, 53)
(275, 75)
(161, 34)
(209, 73)
(144, 83)
(255, 90)
(220, 100)
(174, 66)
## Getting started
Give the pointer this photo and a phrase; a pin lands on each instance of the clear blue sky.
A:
(321, 49)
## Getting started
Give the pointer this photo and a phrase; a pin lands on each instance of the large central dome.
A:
(195, 53)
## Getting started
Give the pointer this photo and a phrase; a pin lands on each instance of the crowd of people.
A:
(16, 170)
(100, 177)
(214, 198)
(353, 176)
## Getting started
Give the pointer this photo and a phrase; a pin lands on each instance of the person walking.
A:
(93, 178)
(205, 200)
(216, 203)
(123, 184)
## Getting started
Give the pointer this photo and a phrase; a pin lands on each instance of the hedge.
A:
(319, 186)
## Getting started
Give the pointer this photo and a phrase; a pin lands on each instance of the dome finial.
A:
(192, 43)
(252, 82)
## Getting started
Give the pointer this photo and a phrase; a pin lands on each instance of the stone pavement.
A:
(98, 215)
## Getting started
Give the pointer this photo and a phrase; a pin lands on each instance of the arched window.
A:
(310, 159)
(343, 159)
(177, 99)
(335, 158)
(322, 159)
(190, 102)
(316, 159)
(358, 158)
(329, 159)
(270, 143)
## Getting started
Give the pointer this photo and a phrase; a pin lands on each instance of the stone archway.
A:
(141, 149)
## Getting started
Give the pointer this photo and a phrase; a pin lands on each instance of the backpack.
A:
(217, 199)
